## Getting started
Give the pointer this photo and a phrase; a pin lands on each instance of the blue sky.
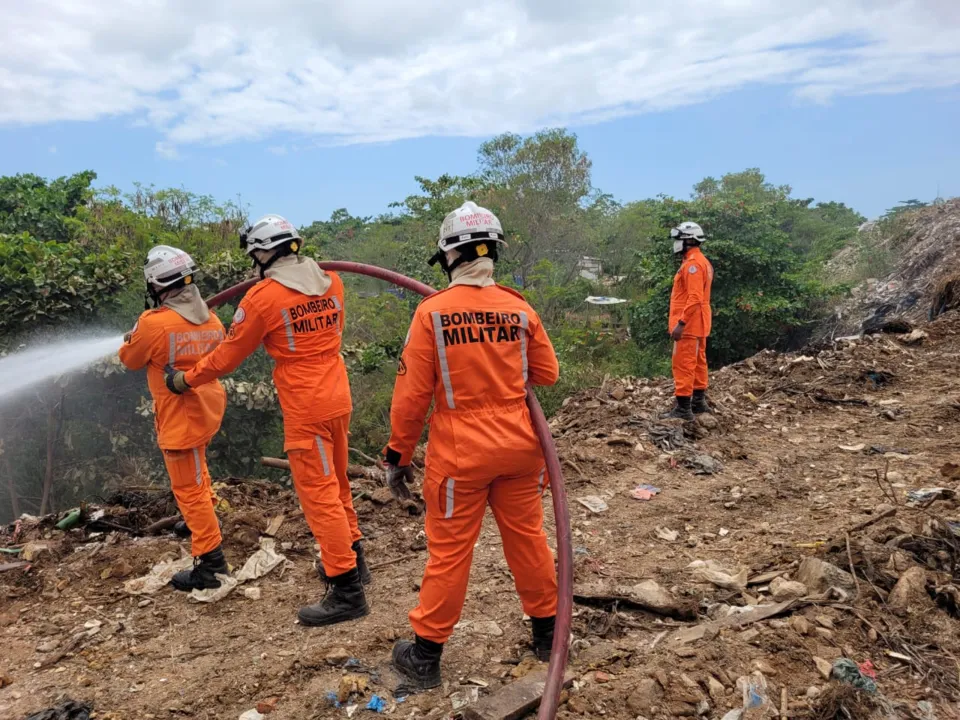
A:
(340, 106)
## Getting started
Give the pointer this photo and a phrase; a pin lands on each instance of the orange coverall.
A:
(185, 423)
(472, 350)
(302, 334)
(690, 303)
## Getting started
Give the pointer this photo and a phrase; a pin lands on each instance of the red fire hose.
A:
(561, 635)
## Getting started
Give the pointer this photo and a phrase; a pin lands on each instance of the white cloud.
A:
(277, 149)
(166, 150)
(52, 149)
(379, 70)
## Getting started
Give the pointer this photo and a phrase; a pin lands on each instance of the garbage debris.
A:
(594, 503)
(377, 704)
(667, 534)
(713, 572)
(703, 464)
(72, 519)
(847, 671)
(262, 562)
(68, 710)
(644, 492)
(929, 495)
(158, 577)
(467, 696)
(756, 701)
(252, 714)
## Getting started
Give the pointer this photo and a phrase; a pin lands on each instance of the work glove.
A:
(126, 338)
(398, 479)
(175, 380)
(677, 332)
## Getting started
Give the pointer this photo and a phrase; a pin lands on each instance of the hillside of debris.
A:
(794, 555)
(915, 259)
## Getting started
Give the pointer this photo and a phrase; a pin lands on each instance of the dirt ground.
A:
(810, 455)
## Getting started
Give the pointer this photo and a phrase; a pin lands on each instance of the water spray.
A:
(20, 371)
(561, 635)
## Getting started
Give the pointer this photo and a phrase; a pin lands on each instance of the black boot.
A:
(182, 530)
(345, 601)
(681, 410)
(699, 404)
(418, 662)
(203, 576)
(543, 637)
(362, 568)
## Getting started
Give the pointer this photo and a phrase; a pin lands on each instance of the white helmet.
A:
(267, 233)
(686, 231)
(167, 266)
(469, 223)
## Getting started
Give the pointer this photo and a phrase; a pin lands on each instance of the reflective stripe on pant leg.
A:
(442, 356)
(323, 455)
(448, 513)
(196, 465)
(288, 326)
(525, 324)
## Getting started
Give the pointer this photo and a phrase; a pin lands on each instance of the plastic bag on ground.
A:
(158, 577)
(713, 572)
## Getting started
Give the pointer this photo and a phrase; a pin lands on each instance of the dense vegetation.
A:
(70, 259)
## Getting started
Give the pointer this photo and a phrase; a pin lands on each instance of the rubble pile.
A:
(922, 283)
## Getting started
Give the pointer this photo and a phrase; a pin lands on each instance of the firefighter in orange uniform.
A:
(296, 311)
(177, 334)
(690, 321)
(472, 349)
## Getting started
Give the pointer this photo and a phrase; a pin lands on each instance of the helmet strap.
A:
(468, 253)
(157, 296)
(290, 248)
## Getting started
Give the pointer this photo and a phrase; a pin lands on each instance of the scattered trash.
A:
(263, 561)
(929, 495)
(332, 699)
(252, 714)
(853, 448)
(377, 704)
(68, 710)
(703, 464)
(868, 670)
(756, 703)
(158, 577)
(465, 697)
(667, 534)
(644, 492)
(593, 503)
(252, 593)
(847, 671)
(713, 572)
(71, 520)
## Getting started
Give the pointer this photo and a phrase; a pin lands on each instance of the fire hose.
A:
(561, 635)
